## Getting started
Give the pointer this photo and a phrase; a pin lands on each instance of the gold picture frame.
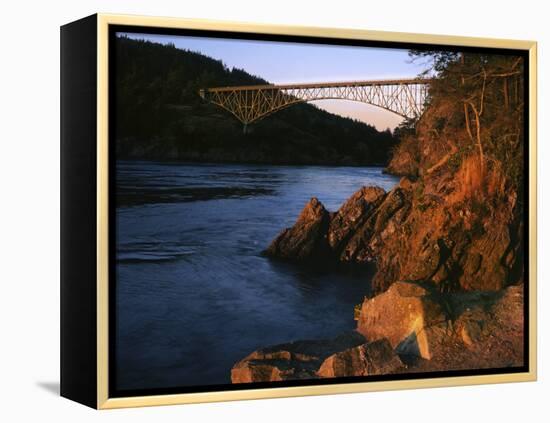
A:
(102, 22)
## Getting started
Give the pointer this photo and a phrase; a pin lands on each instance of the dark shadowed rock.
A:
(373, 358)
(295, 360)
(317, 234)
(307, 239)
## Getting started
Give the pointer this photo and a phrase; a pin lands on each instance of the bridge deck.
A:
(379, 82)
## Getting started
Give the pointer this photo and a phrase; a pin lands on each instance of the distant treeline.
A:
(159, 115)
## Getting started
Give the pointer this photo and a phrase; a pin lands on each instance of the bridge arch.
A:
(405, 97)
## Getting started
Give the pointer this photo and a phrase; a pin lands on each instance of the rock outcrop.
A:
(449, 275)
(373, 358)
(406, 329)
(307, 239)
(415, 232)
(352, 218)
(447, 242)
(294, 360)
(318, 234)
(346, 355)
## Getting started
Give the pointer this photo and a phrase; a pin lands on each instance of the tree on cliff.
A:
(489, 89)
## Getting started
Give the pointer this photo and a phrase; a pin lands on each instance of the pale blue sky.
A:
(281, 62)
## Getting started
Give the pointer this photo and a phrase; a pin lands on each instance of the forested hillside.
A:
(159, 115)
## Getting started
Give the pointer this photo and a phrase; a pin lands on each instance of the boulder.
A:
(373, 358)
(307, 239)
(293, 360)
(406, 315)
(284, 367)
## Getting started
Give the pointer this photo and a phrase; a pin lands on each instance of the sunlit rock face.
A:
(351, 218)
(405, 315)
(373, 358)
(413, 233)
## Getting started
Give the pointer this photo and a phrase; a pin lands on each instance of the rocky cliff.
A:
(446, 223)
(448, 282)
(446, 242)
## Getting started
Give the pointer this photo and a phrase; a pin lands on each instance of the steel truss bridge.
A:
(250, 103)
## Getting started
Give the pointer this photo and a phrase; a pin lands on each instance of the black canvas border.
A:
(78, 211)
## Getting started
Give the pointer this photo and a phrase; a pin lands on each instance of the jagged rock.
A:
(374, 358)
(307, 239)
(406, 315)
(426, 342)
(294, 360)
(352, 215)
(318, 234)
(273, 369)
(364, 245)
(396, 199)
(414, 232)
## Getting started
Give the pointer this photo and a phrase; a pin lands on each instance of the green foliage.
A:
(437, 61)
(159, 115)
(406, 127)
